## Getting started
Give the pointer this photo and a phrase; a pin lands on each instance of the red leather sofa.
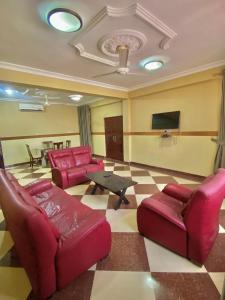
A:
(70, 166)
(182, 220)
(56, 236)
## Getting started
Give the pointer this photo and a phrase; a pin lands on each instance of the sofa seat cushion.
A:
(75, 172)
(69, 219)
(64, 162)
(82, 159)
(159, 218)
(91, 168)
(166, 206)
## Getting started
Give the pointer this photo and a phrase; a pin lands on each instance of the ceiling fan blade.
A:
(25, 92)
(123, 55)
(105, 74)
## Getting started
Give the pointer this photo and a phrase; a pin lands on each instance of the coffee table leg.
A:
(121, 199)
(94, 189)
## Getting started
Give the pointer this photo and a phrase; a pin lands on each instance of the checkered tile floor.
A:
(136, 268)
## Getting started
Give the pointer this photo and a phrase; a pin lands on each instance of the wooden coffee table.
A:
(114, 183)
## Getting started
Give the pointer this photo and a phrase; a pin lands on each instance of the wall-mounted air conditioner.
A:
(30, 107)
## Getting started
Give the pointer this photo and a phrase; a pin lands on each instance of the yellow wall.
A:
(197, 96)
(56, 119)
(199, 104)
(14, 151)
(99, 111)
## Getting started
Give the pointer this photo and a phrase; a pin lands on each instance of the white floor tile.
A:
(95, 201)
(161, 186)
(223, 204)
(77, 190)
(153, 173)
(92, 268)
(20, 175)
(123, 173)
(122, 220)
(139, 198)
(135, 169)
(48, 176)
(1, 216)
(6, 243)
(119, 285)
(162, 260)
(185, 181)
(14, 284)
(221, 229)
(219, 281)
(109, 168)
(43, 170)
(130, 191)
(14, 171)
(143, 179)
(26, 181)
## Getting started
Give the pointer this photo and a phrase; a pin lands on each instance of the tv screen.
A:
(167, 120)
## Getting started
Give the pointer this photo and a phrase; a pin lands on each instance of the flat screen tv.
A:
(167, 120)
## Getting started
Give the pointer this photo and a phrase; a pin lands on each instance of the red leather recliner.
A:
(70, 166)
(56, 236)
(182, 220)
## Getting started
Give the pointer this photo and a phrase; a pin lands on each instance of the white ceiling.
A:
(27, 40)
(37, 95)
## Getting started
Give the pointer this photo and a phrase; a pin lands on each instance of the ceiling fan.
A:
(43, 95)
(123, 69)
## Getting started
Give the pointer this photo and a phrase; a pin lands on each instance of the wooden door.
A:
(114, 137)
(1, 157)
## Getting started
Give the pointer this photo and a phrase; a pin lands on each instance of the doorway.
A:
(114, 137)
(1, 157)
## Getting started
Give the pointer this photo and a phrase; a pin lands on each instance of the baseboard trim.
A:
(16, 165)
(170, 172)
(176, 173)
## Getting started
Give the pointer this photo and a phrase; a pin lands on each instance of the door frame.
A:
(121, 116)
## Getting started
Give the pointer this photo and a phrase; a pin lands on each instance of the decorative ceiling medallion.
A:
(135, 40)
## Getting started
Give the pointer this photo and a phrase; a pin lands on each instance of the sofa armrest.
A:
(38, 187)
(59, 177)
(164, 211)
(80, 232)
(39, 261)
(97, 161)
(178, 192)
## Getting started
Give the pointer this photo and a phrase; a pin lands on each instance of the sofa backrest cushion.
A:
(19, 216)
(30, 201)
(202, 212)
(82, 159)
(64, 162)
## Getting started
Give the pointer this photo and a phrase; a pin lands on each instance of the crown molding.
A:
(198, 69)
(34, 71)
(88, 55)
(41, 72)
(136, 10)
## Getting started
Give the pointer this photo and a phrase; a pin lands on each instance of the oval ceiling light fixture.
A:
(64, 19)
(9, 91)
(154, 65)
(75, 97)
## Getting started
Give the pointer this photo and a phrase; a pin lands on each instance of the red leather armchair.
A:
(182, 220)
(56, 236)
(70, 166)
